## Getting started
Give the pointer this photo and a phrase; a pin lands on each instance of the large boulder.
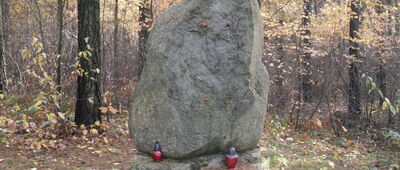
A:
(203, 87)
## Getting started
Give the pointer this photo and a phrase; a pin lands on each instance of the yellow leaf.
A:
(82, 126)
(97, 123)
(90, 148)
(336, 155)
(110, 149)
(52, 117)
(84, 132)
(98, 152)
(38, 146)
(105, 140)
(96, 70)
(61, 115)
(25, 124)
(94, 131)
(52, 144)
(53, 136)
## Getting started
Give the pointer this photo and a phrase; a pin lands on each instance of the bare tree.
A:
(354, 52)
(88, 95)
(145, 21)
(3, 41)
(305, 71)
(116, 37)
(60, 13)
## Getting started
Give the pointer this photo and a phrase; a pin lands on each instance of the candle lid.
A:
(232, 151)
(157, 146)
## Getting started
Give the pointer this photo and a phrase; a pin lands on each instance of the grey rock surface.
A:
(203, 87)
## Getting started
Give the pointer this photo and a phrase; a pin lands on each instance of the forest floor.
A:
(319, 148)
(24, 146)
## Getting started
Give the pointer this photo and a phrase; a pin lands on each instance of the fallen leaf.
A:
(32, 125)
(94, 131)
(103, 110)
(336, 155)
(52, 145)
(61, 147)
(25, 124)
(113, 111)
(110, 149)
(105, 140)
(38, 146)
(332, 164)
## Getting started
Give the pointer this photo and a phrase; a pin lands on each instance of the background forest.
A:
(334, 83)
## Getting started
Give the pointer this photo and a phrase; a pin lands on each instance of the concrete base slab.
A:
(249, 160)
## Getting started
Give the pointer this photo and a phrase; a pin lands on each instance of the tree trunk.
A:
(88, 95)
(305, 71)
(389, 32)
(2, 65)
(382, 85)
(315, 6)
(281, 56)
(354, 76)
(397, 18)
(3, 44)
(145, 21)
(392, 17)
(116, 39)
(60, 14)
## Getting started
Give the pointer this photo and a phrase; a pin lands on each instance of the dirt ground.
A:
(73, 156)
(281, 146)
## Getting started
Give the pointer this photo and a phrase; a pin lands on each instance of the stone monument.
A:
(203, 87)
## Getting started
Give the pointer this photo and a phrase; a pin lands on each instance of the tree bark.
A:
(88, 95)
(281, 53)
(60, 14)
(2, 67)
(354, 75)
(389, 32)
(381, 73)
(315, 6)
(116, 39)
(145, 21)
(392, 17)
(305, 71)
(3, 44)
(397, 18)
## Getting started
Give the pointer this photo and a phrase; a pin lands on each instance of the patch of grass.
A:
(15, 163)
